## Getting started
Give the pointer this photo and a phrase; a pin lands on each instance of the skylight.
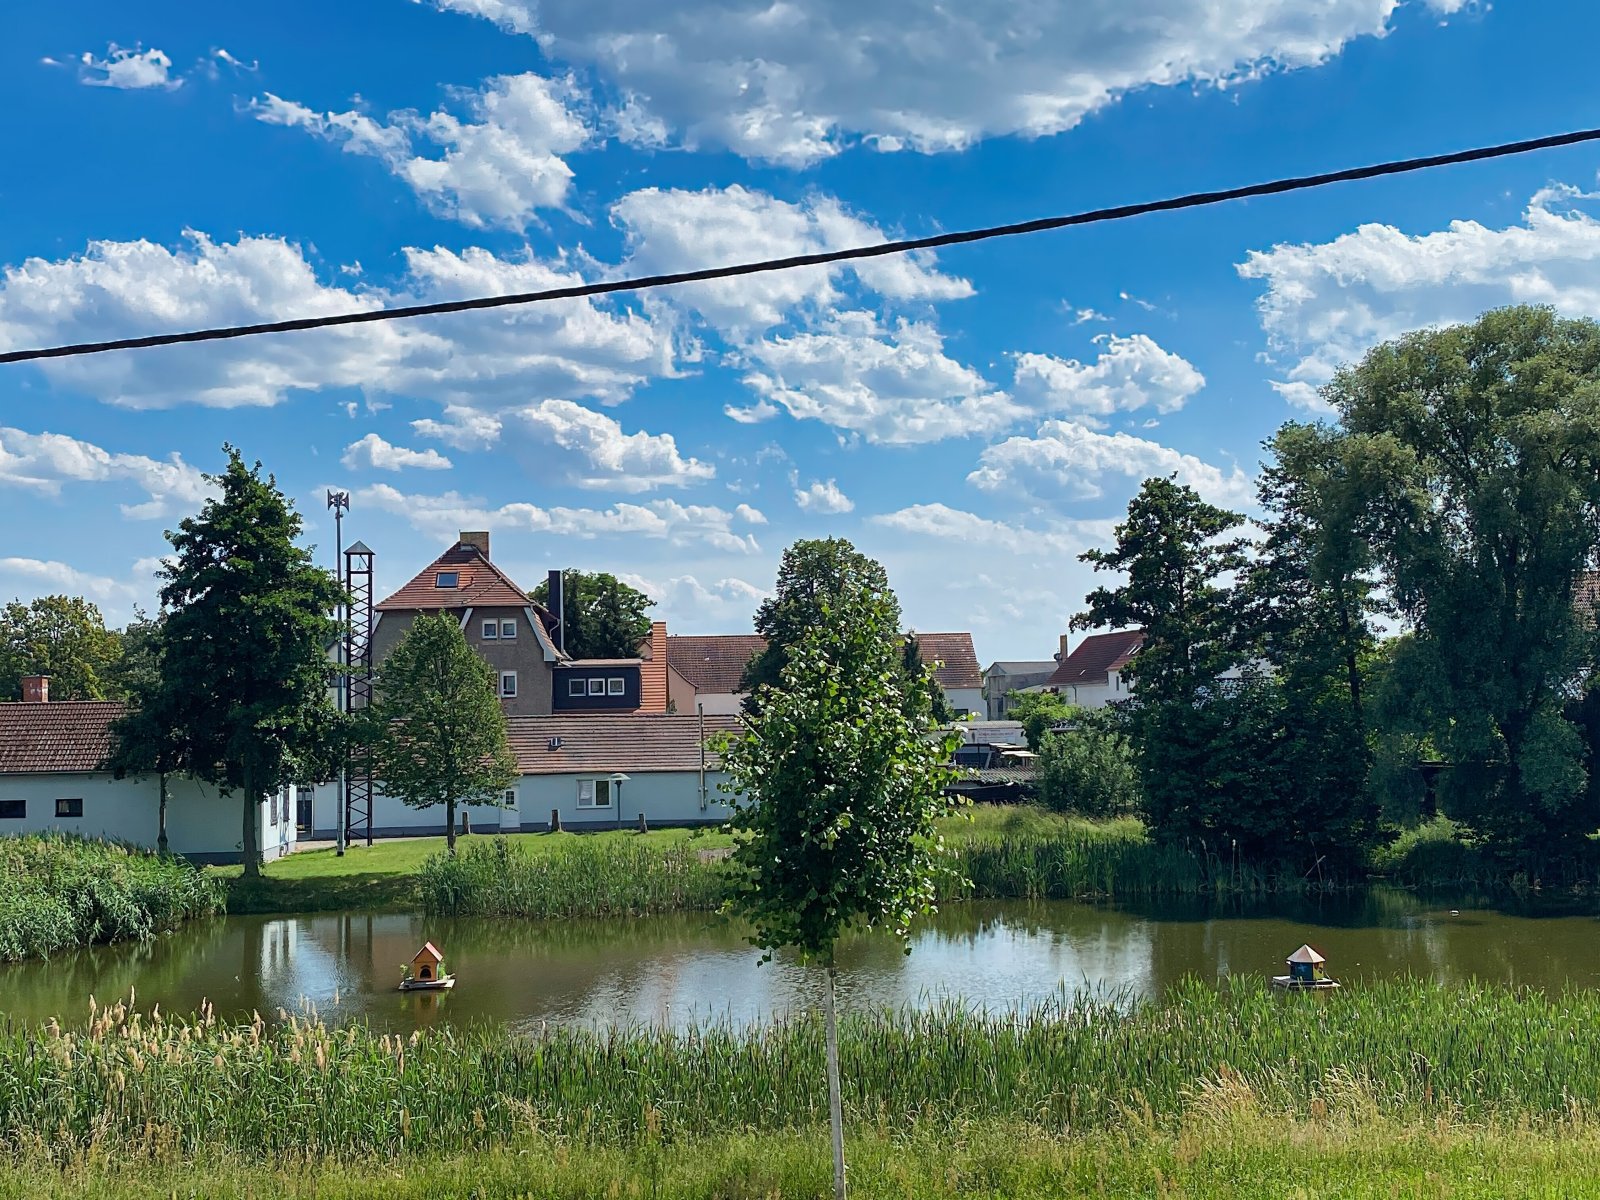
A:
(447, 579)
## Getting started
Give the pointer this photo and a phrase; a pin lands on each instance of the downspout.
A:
(700, 709)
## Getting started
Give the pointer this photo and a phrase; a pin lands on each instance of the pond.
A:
(688, 968)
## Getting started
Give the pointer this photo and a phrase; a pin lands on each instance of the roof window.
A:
(447, 579)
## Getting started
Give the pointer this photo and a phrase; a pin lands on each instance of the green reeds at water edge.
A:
(59, 892)
(140, 1085)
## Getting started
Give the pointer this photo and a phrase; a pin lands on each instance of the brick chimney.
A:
(478, 538)
(36, 689)
(1062, 655)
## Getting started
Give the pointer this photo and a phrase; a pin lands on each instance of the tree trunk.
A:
(252, 827)
(835, 1102)
(161, 817)
(450, 824)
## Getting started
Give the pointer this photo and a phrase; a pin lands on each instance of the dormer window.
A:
(447, 579)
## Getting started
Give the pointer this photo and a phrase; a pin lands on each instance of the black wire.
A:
(1118, 213)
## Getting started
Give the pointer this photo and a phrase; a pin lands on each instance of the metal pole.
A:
(337, 501)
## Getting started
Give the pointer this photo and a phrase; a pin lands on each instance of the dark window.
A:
(614, 687)
(69, 808)
(575, 687)
(508, 683)
(508, 630)
(491, 630)
(597, 687)
(447, 579)
(13, 810)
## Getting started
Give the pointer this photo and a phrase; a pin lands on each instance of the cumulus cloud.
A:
(598, 454)
(27, 579)
(372, 453)
(1326, 304)
(946, 524)
(117, 289)
(47, 462)
(749, 515)
(672, 230)
(823, 498)
(677, 524)
(689, 605)
(794, 83)
(1069, 460)
(891, 386)
(1131, 373)
(129, 70)
(494, 169)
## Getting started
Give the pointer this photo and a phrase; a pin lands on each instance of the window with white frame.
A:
(508, 684)
(508, 631)
(594, 793)
(491, 630)
(614, 687)
(597, 687)
(576, 687)
(510, 798)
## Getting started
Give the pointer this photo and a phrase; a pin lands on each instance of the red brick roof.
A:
(594, 744)
(70, 736)
(1096, 657)
(713, 663)
(479, 582)
(954, 650)
(653, 670)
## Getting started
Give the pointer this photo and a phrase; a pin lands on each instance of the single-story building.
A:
(567, 767)
(52, 777)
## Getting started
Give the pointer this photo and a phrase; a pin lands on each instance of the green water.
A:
(683, 968)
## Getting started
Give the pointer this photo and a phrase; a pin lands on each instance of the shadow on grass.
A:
(375, 892)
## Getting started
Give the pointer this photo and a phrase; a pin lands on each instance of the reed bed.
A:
(146, 1085)
(59, 892)
(589, 878)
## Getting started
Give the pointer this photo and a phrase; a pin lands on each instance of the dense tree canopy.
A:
(64, 637)
(604, 617)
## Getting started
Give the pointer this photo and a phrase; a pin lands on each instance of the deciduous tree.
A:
(64, 637)
(604, 617)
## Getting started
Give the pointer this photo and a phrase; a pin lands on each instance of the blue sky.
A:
(974, 419)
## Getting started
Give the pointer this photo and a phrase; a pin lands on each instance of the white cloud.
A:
(946, 524)
(1131, 373)
(1327, 304)
(749, 515)
(27, 579)
(688, 605)
(671, 231)
(372, 453)
(495, 169)
(823, 498)
(794, 83)
(128, 69)
(115, 289)
(1068, 460)
(675, 523)
(894, 387)
(627, 462)
(463, 428)
(46, 462)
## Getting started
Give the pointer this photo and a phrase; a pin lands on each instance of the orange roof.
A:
(653, 671)
(1096, 657)
(634, 743)
(479, 583)
(65, 736)
(713, 663)
(429, 950)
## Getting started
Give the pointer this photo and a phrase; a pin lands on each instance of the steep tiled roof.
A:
(955, 652)
(1096, 657)
(713, 663)
(479, 583)
(641, 742)
(653, 670)
(63, 737)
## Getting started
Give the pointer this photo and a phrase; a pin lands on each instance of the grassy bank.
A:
(58, 893)
(1220, 1153)
(132, 1086)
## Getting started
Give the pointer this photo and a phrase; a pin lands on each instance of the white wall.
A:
(729, 704)
(970, 699)
(200, 822)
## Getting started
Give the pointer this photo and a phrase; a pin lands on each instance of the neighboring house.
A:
(993, 763)
(1092, 675)
(1003, 678)
(565, 765)
(52, 778)
(704, 671)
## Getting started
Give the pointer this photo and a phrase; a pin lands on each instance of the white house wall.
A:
(970, 699)
(727, 704)
(201, 824)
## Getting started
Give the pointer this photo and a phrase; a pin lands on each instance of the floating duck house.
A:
(428, 964)
(1306, 966)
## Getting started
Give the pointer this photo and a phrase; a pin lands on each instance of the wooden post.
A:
(644, 826)
(466, 821)
(555, 820)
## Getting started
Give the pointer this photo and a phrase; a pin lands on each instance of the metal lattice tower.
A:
(358, 667)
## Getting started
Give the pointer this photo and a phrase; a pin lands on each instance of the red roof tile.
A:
(635, 742)
(479, 583)
(713, 663)
(70, 736)
(653, 671)
(954, 651)
(1096, 657)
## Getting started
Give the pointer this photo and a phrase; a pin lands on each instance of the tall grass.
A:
(59, 892)
(131, 1083)
(587, 877)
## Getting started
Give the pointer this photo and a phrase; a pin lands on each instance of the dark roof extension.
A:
(61, 737)
(1096, 657)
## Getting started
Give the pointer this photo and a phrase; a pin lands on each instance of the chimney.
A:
(478, 538)
(36, 689)
(558, 608)
(1061, 655)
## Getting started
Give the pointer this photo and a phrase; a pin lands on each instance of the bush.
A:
(1089, 769)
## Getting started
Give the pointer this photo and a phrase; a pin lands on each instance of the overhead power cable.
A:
(936, 241)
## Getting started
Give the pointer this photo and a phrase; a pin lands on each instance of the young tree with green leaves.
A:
(1089, 768)
(64, 637)
(244, 667)
(837, 782)
(437, 730)
(1039, 712)
(604, 617)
